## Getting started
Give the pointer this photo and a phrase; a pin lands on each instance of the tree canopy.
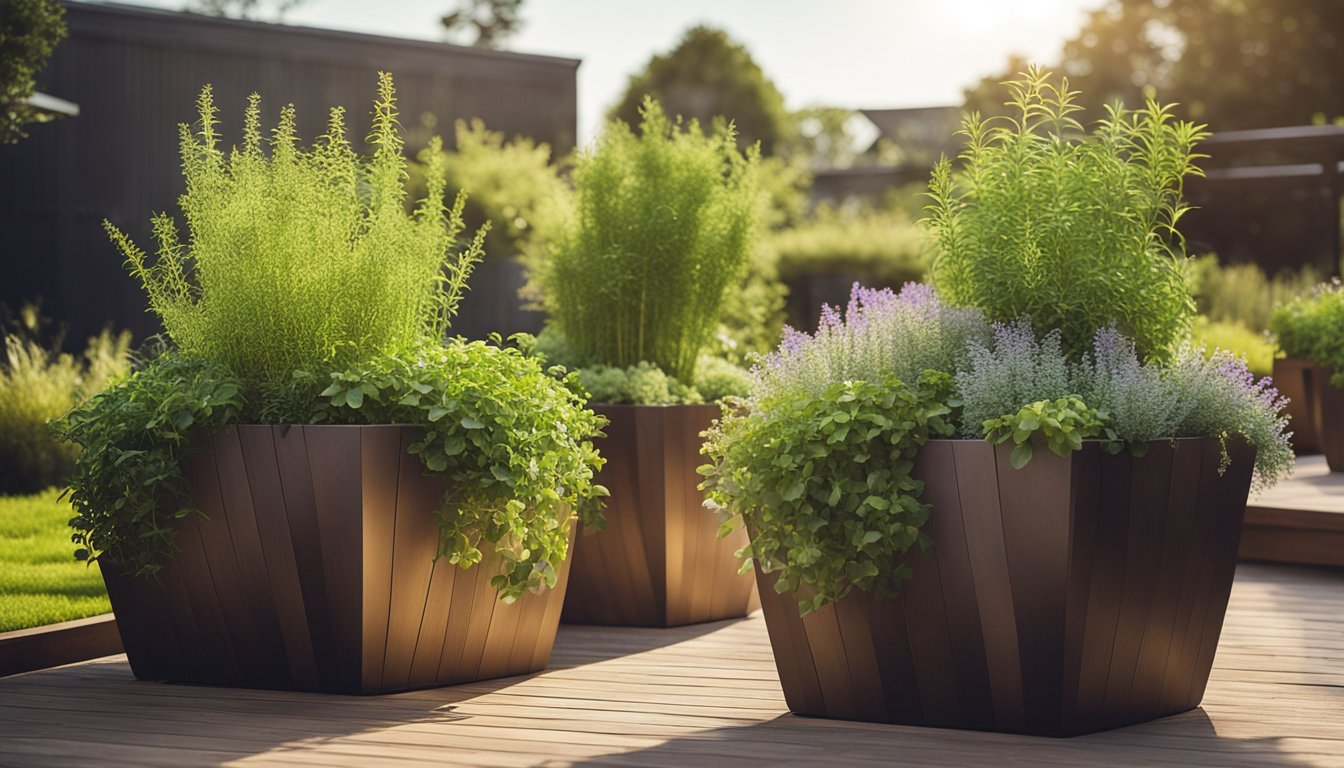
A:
(710, 75)
(29, 32)
(1234, 64)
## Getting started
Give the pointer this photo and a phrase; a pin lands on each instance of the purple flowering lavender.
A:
(1196, 395)
(880, 333)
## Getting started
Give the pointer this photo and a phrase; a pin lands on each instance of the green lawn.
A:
(40, 580)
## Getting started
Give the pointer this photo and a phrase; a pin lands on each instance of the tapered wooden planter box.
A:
(1071, 596)
(659, 563)
(1294, 380)
(1329, 404)
(313, 569)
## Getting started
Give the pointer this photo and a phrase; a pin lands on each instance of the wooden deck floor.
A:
(704, 695)
(1300, 520)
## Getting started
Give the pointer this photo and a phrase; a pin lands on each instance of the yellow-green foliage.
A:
(1073, 229)
(38, 385)
(1242, 293)
(512, 185)
(302, 259)
(1235, 337)
(665, 220)
(40, 583)
(875, 246)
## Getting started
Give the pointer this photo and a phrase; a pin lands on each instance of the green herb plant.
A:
(305, 292)
(665, 220)
(1074, 230)
(1311, 327)
(824, 482)
(1060, 425)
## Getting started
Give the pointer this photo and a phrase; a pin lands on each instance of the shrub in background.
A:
(1073, 230)
(1255, 347)
(1311, 327)
(665, 221)
(38, 384)
(306, 293)
(1242, 293)
(873, 246)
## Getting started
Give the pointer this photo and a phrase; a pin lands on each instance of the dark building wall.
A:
(135, 75)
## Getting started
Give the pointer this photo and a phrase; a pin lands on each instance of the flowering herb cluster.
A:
(836, 419)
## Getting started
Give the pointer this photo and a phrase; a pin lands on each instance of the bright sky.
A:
(854, 53)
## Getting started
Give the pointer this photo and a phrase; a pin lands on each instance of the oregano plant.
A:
(1073, 229)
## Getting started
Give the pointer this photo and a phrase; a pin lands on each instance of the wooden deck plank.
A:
(700, 695)
(1300, 520)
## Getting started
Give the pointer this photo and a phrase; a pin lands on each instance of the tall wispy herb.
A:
(1074, 230)
(302, 259)
(665, 219)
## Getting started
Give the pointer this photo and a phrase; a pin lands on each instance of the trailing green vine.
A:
(128, 485)
(825, 482)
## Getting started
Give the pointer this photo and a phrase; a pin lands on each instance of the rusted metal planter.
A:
(1329, 404)
(1072, 596)
(1294, 379)
(659, 563)
(314, 569)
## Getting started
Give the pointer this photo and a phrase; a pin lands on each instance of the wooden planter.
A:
(314, 569)
(1329, 404)
(1294, 380)
(1068, 597)
(659, 563)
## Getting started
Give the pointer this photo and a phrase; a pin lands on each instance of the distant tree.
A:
(489, 22)
(29, 32)
(1233, 64)
(710, 75)
(824, 137)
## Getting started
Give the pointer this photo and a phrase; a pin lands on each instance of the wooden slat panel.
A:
(1293, 380)
(382, 457)
(1177, 544)
(296, 480)
(1151, 488)
(259, 588)
(1084, 543)
(1037, 506)
(334, 461)
(977, 485)
(554, 600)
(268, 502)
(832, 665)
(1106, 590)
(792, 654)
(937, 467)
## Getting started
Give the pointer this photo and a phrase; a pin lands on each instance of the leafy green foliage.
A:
(128, 484)
(308, 294)
(824, 483)
(1255, 347)
(29, 32)
(873, 246)
(40, 582)
(305, 259)
(1060, 425)
(665, 222)
(509, 184)
(1311, 327)
(1075, 231)
(642, 383)
(1234, 64)
(707, 76)
(514, 445)
(38, 384)
(1242, 293)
